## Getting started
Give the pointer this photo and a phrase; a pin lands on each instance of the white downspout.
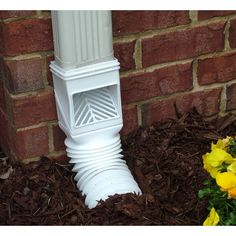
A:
(87, 92)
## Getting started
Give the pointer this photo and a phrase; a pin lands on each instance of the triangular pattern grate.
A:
(93, 106)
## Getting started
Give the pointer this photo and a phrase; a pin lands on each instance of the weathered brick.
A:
(126, 22)
(158, 111)
(4, 70)
(27, 36)
(130, 120)
(2, 65)
(33, 109)
(4, 135)
(2, 97)
(183, 44)
(15, 14)
(217, 70)
(124, 53)
(203, 15)
(206, 102)
(25, 75)
(162, 81)
(49, 73)
(31, 142)
(231, 97)
(1, 38)
(58, 138)
(232, 34)
(61, 158)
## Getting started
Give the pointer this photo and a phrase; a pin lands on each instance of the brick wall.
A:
(175, 60)
(169, 60)
(28, 114)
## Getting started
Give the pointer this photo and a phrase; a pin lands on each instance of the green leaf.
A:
(232, 147)
(204, 192)
(233, 201)
(207, 182)
(231, 219)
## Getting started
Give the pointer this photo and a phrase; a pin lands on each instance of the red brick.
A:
(162, 81)
(2, 65)
(1, 38)
(61, 158)
(31, 143)
(126, 22)
(27, 36)
(183, 44)
(124, 53)
(217, 70)
(4, 135)
(25, 75)
(231, 97)
(58, 138)
(232, 34)
(4, 70)
(15, 14)
(33, 109)
(158, 111)
(49, 73)
(2, 97)
(206, 102)
(130, 120)
(203, 15)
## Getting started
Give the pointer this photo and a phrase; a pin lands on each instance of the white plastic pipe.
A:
(82, 37)
(87, 92)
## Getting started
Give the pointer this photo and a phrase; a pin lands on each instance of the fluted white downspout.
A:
(87, 92)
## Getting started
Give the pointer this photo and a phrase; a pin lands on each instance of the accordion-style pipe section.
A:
(87, 92)
(100, 172)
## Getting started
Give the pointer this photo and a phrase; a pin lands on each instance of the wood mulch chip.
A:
(165, 159)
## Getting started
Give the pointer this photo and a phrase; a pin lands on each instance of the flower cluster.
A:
(220, 163)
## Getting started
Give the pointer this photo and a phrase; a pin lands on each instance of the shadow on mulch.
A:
(165, 159)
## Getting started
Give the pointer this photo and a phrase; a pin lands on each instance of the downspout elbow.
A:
(88, 103)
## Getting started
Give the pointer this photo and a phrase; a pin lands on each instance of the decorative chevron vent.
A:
(93, 106)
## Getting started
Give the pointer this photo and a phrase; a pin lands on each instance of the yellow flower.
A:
(232, 167)
(218, 156)
(227, 182)
(213, 171)
(221, 143)
(232, 193)
(212, 219)
(213, 160)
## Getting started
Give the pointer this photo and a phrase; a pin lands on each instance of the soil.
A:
(165, 159)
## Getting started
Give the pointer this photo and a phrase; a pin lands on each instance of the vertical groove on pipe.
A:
(95, 35)
(85, 35)
(101, 32)
(76, 37)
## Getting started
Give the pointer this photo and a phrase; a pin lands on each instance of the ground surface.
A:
(165, 159)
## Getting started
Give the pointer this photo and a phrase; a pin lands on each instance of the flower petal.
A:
(232, 193)
(226, 180)
(232, 167)
(212, 219)
(221, 143)
(217, 157)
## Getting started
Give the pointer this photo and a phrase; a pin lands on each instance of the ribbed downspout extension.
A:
(87, 92)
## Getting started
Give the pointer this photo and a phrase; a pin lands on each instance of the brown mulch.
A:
(165, 159)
